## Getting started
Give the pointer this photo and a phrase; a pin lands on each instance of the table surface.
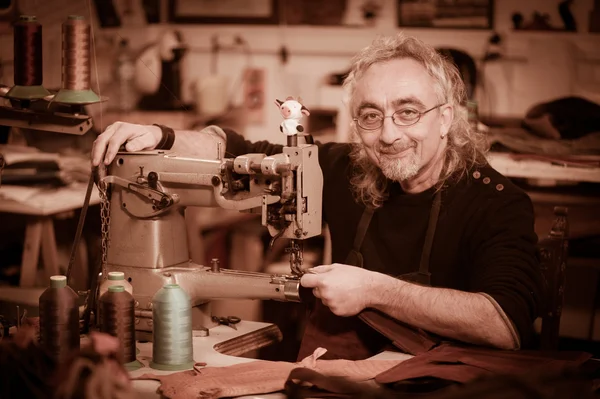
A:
(510, 166)
(44, 201)
(204, 351)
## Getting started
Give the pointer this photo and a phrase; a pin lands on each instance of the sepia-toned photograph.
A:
(294, 199)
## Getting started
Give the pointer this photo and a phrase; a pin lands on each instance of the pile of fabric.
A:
(565, 130)
(26, 165)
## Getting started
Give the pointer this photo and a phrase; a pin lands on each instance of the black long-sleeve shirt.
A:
(484, 240)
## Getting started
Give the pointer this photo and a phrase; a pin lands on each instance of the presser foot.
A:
(296, 260)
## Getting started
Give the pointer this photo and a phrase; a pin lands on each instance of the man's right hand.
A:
(135, 137)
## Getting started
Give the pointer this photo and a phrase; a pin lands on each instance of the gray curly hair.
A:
(466, 147)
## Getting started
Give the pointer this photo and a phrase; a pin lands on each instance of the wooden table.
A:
(223, 347)
(41, 206)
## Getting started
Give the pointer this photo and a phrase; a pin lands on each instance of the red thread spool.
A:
(117, 316)
(59, 319)
(28, 68)
(76, 62)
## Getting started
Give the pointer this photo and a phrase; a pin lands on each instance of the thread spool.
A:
(59, 319)
(114, 278)
(172, 329)
(76, 63)
(28, 67)
(117, 316)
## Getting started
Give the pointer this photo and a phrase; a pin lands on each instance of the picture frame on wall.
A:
(446, 14)
(224, 12)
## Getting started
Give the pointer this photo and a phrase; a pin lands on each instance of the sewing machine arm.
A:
(147, 233)
(285, 188)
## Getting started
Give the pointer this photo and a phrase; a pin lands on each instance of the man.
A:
(412, 200)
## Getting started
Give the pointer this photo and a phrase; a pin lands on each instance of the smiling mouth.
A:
(396, 154)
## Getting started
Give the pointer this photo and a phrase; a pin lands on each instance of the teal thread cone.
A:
(172, 347)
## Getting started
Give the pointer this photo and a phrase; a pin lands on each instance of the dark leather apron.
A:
(358, 337)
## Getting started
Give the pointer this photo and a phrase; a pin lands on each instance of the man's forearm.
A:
(468, 317)
(203, 144)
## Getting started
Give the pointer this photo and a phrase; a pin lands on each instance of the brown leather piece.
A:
(404, 337)
(462, 363)
(259, 376)
(308, 383)
(343, 337)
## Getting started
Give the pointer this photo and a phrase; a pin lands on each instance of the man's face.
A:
(402, 152)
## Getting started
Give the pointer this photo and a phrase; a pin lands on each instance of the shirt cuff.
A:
(507, 321)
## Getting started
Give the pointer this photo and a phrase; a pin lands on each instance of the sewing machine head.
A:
(151, 187)
(146, 229)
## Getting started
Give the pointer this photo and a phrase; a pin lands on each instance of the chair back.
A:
(552, 252)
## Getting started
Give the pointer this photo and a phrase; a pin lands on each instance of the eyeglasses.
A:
(405, 116)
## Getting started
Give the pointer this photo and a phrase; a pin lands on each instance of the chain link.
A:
(105, 218)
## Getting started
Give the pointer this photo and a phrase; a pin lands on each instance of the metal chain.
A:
(2, 163)
(105, 218)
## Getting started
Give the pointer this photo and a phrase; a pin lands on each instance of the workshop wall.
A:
(534, 66)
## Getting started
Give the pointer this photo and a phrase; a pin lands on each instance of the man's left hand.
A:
(342, 288)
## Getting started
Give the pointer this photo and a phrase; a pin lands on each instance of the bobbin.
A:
(74, 95)
(117, 319)
(22, 91)
(172, 347)
(114, 278)
(59, 319)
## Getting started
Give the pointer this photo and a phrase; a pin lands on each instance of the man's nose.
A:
(389, 131)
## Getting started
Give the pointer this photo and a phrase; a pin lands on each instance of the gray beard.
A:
(400, 169)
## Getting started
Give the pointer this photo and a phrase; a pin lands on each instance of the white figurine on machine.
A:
(292, 111)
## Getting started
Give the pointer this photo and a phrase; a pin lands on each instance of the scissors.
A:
(230, 321)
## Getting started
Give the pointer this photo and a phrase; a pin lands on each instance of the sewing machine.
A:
(146, 230)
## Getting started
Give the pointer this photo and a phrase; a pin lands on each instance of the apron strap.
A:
(423, 275)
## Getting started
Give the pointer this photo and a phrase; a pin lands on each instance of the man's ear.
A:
(446, 118)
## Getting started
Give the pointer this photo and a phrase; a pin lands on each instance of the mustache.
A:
(395, 148)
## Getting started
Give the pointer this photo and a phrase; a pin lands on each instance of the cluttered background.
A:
(532, 71)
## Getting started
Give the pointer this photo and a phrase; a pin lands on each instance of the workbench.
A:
(41, 206)
(224, 346)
